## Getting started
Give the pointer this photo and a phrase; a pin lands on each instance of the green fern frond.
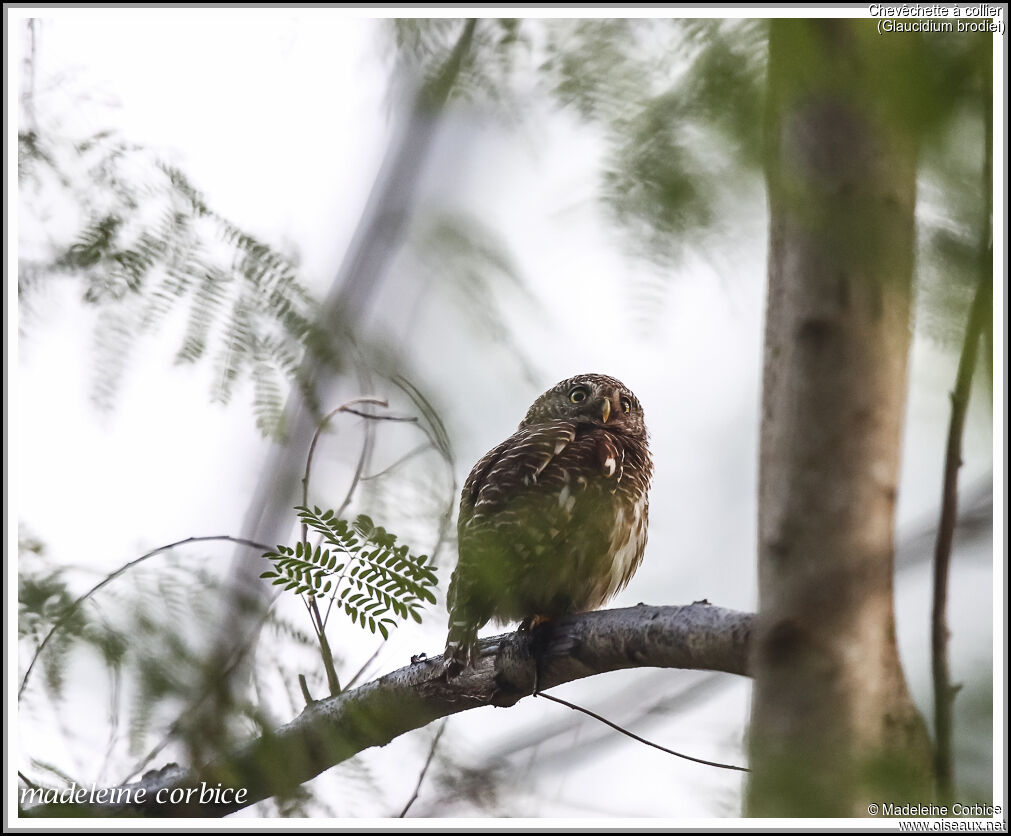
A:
(148, 244)
(359, 566)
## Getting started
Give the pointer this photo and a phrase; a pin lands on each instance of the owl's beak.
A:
(606, 412)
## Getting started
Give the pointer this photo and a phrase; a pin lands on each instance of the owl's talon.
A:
(541, 633)
(456, 659)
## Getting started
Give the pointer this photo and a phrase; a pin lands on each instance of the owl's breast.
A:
(623, 553)
(552, 521)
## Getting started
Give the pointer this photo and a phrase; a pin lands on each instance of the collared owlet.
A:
(553, 520)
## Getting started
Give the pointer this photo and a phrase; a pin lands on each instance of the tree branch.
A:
(424, 769)
(944, 691)
(980, 313)
(330, 731)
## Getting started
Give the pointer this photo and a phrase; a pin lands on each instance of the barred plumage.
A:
(553, 519)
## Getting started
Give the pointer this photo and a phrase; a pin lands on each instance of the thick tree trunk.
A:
(833, 727)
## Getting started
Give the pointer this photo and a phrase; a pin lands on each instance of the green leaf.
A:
(382, 577)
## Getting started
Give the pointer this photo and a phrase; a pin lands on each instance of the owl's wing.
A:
(496, 480)
(516, 464)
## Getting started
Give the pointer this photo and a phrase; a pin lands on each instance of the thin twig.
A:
(31, 784)
(304, 686)
(344, 407)
(944, 691)
(421, 448)
(437, 435)
(424, 769)
(407, 418)
(329, 606)
(626, 732)
(440, 438)
(115, 712)
(319, 623)
(72, 608)
(364, 456)
(319, 628)
(333, 683)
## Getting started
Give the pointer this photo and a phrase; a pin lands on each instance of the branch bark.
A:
(698, 636)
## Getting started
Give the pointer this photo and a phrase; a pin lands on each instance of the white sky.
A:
(280, 118)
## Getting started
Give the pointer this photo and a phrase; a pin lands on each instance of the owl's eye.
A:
(578, 394)
(626, 405)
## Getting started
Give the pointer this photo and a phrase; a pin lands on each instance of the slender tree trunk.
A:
(833, 727)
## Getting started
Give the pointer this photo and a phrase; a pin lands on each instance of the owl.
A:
(553, 519)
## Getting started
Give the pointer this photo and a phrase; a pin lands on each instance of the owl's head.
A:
(593, 399)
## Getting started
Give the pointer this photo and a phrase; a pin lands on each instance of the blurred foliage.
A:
(423, 47)
(149, 250)
(43, 598)
(478, 788)
(955, 200)
(471, 259)
(679, 103)
(146, 243)
(362, 570)
(148, 632)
